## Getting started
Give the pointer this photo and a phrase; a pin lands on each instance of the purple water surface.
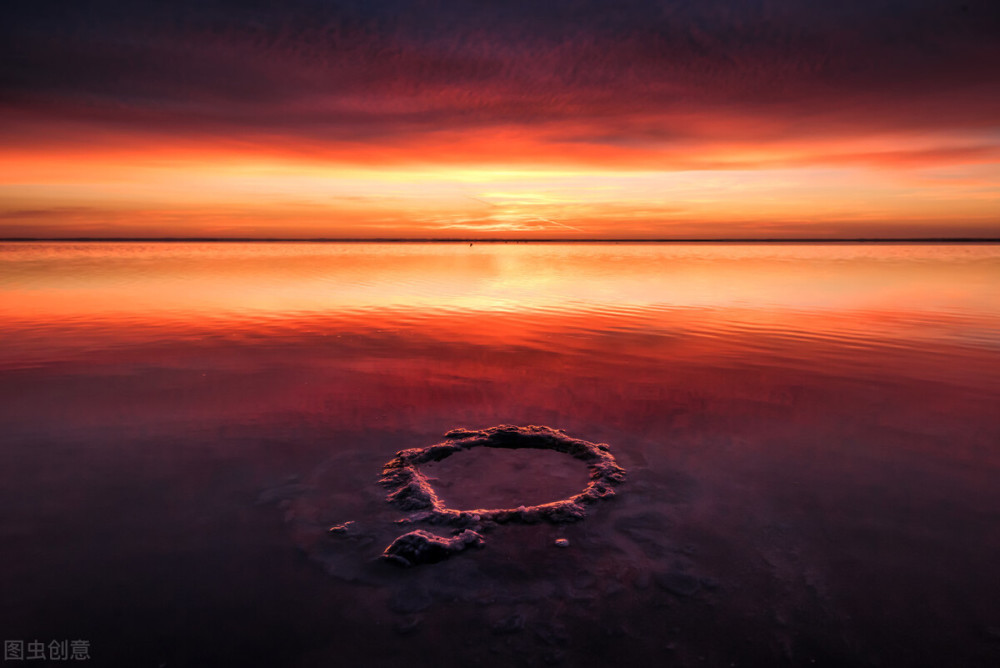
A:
(811, 434)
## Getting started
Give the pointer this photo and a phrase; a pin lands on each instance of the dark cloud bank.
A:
(375, 70)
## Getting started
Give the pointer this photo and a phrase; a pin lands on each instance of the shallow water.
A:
(810, 434)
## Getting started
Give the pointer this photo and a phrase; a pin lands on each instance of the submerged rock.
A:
(423, 547)
(679, 584)
(511, 624)
(408, 625)
(410, 600)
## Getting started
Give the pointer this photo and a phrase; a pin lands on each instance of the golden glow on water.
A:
(52, 281)
(543, 296)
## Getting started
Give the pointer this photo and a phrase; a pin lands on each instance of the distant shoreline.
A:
(790, 240)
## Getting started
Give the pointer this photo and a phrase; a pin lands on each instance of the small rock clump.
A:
(423, 547)
(340, 529)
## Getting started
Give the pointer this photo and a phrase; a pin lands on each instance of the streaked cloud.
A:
(383, 114)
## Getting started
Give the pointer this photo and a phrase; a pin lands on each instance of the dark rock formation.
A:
(411, 490)
(422, 547)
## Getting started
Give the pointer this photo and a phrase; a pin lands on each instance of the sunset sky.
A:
(564, 119)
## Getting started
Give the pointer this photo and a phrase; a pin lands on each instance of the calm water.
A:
(810, 432)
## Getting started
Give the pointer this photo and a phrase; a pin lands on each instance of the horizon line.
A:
(754, 240)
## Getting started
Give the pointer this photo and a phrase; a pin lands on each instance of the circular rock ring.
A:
(412, 491)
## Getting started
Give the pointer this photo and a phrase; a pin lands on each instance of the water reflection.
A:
(542, 293)
(48, 281)
(810, 433)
